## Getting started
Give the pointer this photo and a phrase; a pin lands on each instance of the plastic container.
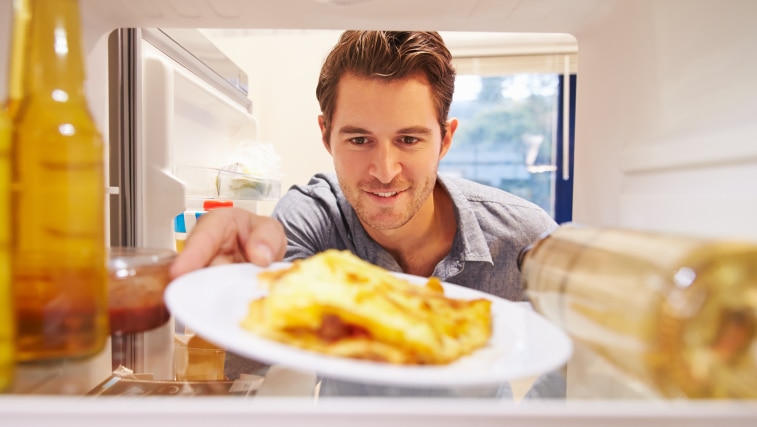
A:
(184, 222)
(213, 183)
(195, 359)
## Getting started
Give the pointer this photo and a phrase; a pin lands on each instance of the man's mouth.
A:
(391, 194)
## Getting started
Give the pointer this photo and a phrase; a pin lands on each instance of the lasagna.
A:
(337, 304)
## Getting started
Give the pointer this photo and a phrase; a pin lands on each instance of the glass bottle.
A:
(57, 197)
(7, 112)
(21, 17)
(678, 313)
(7, 345)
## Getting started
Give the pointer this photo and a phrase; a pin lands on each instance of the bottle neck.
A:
(524, 253)
(522, 256)
(55, 65)
(19, 51)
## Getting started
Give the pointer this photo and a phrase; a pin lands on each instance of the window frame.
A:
(552, 59)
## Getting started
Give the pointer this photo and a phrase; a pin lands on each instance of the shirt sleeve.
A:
(311, 219)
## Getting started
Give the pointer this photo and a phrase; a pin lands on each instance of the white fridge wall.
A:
(665, 121)
(184, 122)
(283, 69)
(160, 196)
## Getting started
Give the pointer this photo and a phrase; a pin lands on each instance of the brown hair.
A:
(388, 55)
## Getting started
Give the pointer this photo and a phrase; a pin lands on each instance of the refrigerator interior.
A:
(179, 112)
(190, 118)
(665, 132)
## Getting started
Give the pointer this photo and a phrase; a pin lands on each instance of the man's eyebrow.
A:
(352, 130)
(415, 130)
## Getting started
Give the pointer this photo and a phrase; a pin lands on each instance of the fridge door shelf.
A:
(214, 183)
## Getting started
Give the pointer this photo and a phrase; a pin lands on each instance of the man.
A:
(385, 98)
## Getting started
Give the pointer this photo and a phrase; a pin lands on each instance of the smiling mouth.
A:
(391, 194)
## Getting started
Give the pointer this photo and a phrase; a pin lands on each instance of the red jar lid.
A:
(213, 203)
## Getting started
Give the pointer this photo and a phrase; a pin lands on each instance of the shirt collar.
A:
(470, 235)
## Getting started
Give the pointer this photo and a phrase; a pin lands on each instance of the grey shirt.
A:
(493, 227)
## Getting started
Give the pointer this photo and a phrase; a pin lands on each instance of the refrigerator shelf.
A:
(212, 183)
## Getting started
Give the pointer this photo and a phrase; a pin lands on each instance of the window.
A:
(511, 134)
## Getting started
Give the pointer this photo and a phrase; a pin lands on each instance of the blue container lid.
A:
(181, 220)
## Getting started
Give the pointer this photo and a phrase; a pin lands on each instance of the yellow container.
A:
(196, 359)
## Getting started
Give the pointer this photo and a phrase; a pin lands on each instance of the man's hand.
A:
(228, 235)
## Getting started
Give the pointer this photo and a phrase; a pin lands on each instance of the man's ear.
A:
(324, 133)
(447, 140)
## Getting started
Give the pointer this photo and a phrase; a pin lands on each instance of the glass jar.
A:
(678, 313)
(137, 280)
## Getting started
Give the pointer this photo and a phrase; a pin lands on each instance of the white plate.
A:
(214, 300)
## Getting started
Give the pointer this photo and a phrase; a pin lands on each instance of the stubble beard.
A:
(389, 218)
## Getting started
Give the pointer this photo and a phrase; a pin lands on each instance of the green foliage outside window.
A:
(505, 136)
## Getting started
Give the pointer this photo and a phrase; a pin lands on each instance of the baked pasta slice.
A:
(337, 304)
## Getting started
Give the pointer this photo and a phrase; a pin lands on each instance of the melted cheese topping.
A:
(337, 304)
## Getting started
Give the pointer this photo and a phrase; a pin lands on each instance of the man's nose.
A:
(385, 164)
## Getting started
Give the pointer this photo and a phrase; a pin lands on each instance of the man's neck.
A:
(426, 239)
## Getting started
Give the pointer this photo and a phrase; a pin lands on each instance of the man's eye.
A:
(409, 140)
(359, 140)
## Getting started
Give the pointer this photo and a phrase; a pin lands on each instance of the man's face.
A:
(386, 144)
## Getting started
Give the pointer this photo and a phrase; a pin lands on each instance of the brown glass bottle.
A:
(678, 313)
(57, 197)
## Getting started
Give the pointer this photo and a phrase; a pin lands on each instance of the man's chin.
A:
(382, 223)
